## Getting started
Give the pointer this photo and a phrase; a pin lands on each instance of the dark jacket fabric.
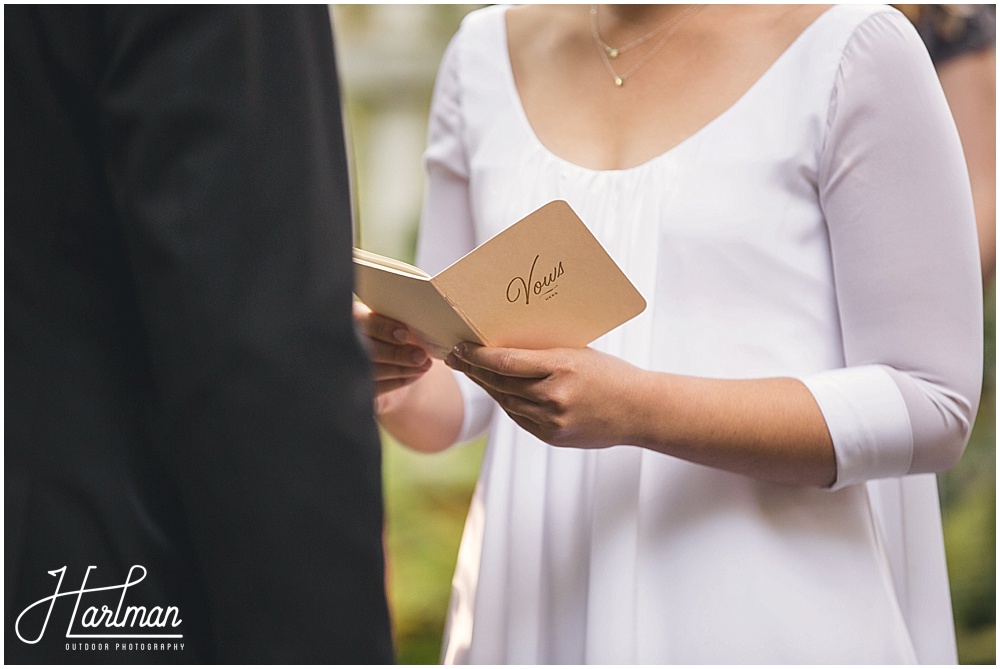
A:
(186, 399)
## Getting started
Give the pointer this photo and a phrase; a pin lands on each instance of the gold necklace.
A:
(608, 53)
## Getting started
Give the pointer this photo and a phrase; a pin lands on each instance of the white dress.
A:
(820, 228)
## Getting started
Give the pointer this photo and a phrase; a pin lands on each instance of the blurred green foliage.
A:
(968, 499)
(427, 497)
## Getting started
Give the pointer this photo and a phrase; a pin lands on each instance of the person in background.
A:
(961, 40)
(744, 473)
(187, 404)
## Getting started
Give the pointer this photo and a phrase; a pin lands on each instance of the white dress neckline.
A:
(528, 129)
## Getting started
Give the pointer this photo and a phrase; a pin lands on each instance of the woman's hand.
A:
(399, 358)
(565, 397)
(771, 429)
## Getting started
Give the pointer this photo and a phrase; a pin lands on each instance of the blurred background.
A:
(388, 57)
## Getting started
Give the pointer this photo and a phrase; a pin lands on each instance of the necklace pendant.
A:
(612, 52)
(619, 82)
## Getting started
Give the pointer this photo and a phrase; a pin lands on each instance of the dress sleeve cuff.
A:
(477, 408)
(868, 422)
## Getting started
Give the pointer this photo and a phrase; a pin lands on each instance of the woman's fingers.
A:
(493, 382)
(390, 342)
(397, 355)
(515, 405)
(382, 328)
(510, 362)
(507, 371)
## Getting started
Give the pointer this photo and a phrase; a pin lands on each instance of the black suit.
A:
(184, 387)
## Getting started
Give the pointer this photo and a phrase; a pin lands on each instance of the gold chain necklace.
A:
(608, 53)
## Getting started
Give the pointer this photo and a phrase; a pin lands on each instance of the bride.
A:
(743, 473)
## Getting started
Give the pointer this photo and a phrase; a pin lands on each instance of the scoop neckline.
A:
(529, 130)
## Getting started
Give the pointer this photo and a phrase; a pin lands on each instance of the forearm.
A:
(769, 429)
(429, 419)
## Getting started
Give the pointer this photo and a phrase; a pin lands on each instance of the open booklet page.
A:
(362, 257)
(414, 300)
(543, 282)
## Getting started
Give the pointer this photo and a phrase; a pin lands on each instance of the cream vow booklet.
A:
(544, 282)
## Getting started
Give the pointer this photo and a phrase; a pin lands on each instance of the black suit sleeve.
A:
(223, 142)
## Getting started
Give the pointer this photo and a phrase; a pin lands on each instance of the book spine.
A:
(461, 314)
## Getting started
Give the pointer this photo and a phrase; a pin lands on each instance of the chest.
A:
(743, 174)
(608, 113)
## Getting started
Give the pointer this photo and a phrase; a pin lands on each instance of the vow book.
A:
(544, 282)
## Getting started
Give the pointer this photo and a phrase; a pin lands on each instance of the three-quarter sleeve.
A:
(895, 192)
(447, 231)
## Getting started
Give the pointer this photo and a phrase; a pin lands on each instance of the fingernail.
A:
(400, 334)
(451, 360)
(418, 356)
(460, 350)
